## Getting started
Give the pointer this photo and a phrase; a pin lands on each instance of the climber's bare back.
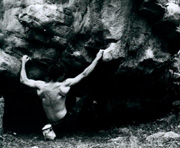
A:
(53, 95)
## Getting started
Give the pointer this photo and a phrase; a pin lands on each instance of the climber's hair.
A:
(55, 73)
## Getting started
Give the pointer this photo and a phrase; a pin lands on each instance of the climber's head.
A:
(55, 73)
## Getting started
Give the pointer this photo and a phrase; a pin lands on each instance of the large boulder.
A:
(131, 82)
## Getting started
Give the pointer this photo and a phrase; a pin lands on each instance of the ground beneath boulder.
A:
(164, 132)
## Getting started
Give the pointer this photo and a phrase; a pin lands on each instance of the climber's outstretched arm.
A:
(23, 77)
(86, 72)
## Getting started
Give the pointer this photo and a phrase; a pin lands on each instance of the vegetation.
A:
(129, 136)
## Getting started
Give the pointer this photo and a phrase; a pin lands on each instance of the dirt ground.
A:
(129, 136)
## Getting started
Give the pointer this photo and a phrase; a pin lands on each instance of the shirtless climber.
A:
(53, 94)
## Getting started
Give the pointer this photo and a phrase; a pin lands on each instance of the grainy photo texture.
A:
(89, 73)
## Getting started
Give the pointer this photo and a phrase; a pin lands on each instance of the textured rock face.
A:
(133, 77)
(1, 114)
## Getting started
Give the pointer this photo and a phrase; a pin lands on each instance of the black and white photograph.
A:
(89, 73)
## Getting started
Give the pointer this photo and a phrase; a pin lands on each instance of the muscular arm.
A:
(86, 72)
(23, 76)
